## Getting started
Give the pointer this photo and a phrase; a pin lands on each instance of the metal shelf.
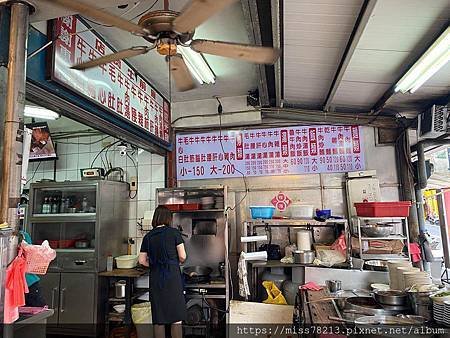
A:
(72, 217)
(400, 237)
(197, 211)
(206, 286)
(295, 222)
(207, 296)
(383, 256)
(378, 218)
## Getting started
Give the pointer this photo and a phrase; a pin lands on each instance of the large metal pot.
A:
(377, 230)
(391, 297)
(119, 289)
(304, 257)
(367, 305)
(197, 271)
(375, 265)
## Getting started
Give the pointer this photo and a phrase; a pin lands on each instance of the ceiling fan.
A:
(167, 29)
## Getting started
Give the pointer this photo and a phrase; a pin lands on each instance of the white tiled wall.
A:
(78, 153)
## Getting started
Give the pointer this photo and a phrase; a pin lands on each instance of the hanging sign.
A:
(281, 201)
(263, 152)
(115, 86)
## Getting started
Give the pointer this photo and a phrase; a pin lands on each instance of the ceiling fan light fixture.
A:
(166, 47)
(429, 64)
(197, 65)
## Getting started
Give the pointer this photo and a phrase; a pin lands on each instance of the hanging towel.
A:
(244, 290)
(15, 289)
(414, 250)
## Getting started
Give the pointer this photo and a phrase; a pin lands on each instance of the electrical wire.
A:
(244, 178)
(34, 173)
(83, 143)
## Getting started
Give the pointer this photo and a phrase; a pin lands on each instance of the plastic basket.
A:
(383, 209)
(265, 212)
(38, 257)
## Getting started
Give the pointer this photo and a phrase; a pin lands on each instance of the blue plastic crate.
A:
(265, 212)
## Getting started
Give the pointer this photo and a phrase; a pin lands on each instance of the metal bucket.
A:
(421, 304)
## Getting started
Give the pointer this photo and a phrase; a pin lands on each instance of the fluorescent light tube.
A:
(197, 65)
(434, 59)
(40, 113)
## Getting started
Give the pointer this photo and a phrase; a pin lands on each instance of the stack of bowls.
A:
(447, 312)
(439, 299)
(220, 204)
(417, 278)
(393, 273)
(401, 271)
(207, 202)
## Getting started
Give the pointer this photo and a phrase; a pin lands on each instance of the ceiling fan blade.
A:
(197, 12)
(100, 15)
(180, 74)
(123, 54)
(251, 53)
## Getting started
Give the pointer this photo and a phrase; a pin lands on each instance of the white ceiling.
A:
(316, 33)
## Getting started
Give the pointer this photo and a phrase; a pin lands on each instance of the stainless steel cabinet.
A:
(77, 296)
(72, 296)
(50, 291)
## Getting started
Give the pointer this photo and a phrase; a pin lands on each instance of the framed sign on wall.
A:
(269, 152)
(117, 86)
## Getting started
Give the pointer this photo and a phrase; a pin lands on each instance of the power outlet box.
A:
(133, 183)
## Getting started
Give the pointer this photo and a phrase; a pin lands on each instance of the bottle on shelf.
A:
(45, 206)
(109, 263)
(55, 205)
(62, 202)
(84, 205)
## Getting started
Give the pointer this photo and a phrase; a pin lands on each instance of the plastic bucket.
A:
(142, 318)
(265, 212)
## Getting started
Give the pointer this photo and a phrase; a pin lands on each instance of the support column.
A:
(14, 107)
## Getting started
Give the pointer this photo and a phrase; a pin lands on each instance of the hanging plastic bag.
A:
(274, 295)
(340, 245)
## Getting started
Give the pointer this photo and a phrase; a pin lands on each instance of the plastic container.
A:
(126, 261)
(265, 212)
(301, 211)
(191, 206)
(174, 207)
(66, 243)
(323, 214)
(109, 263)
(142, 318)
(383, 209)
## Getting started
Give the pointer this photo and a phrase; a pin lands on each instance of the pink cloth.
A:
(414, 250)
(340, 245)
(15, 289)
(311, 286)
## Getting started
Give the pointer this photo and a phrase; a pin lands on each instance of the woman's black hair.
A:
(162, 216)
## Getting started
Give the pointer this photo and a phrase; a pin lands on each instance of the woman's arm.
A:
(143, 259)
(181, 253)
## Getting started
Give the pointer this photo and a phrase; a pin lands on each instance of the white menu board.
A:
(267, 152)
(116, 86)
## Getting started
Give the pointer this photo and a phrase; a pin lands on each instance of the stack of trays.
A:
(438, 312)
(207, 202)
(441, 300)
(447, 313)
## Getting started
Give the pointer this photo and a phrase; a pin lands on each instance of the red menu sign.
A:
(115, 86)
(264, 152)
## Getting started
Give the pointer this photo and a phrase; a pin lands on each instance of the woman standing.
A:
(163, 250)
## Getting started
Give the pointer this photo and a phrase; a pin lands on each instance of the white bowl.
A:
(126, 261)
(120, 308)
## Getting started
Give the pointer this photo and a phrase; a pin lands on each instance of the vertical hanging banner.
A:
(268, 152)
(115, 86)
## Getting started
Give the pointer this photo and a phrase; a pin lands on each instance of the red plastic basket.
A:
(36, 263)
(173, 207)
(383, 209)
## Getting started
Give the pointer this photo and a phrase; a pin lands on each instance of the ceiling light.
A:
(434, 59)
(40, 113)
(197, 65)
